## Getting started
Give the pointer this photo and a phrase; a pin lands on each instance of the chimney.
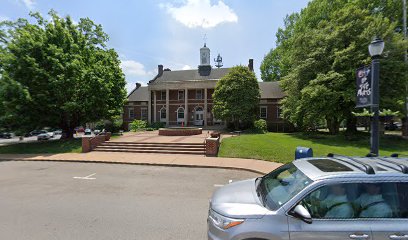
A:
(138, 85)
(160, 70)
(251, 65)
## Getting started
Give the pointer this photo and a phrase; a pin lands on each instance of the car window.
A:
(358, 200)
(282, 184)
(331, 202)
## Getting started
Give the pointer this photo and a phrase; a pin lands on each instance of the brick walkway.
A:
(153, 136)
(184, 160)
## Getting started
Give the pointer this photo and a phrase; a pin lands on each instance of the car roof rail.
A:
(402, 168)
(365, 167)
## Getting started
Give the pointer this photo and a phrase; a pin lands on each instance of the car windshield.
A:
(279, 186)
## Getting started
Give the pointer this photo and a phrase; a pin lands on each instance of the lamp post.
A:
(375, 48)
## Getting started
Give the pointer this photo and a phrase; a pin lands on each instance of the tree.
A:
(59, 74)
(236, 96)
(318, 51)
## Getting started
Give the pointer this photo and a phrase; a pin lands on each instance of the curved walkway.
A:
(177, 160)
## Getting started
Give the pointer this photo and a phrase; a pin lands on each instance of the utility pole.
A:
(404, 21)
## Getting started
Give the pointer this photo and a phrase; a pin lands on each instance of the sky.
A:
(146, 33)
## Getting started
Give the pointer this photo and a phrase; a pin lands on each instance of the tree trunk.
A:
(333, 125)
(404, 127)
(351, 125)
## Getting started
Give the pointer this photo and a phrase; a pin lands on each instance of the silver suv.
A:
(335, 197)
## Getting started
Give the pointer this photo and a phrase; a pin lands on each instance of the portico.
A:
(187, 104)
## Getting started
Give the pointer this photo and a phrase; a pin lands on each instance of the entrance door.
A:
(199, 117)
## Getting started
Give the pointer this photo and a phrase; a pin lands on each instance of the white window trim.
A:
(179, 120)
(161, 95)
(266, 112)
(141, 114)
(178, 95)
(202, 93)
(278, 109)
(133, 110)
(160, 114)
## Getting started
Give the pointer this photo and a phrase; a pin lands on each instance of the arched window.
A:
(163, 114)
(180, 114)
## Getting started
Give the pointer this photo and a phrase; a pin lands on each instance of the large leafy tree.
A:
(318, 51)
(58, 73)
(236, 96)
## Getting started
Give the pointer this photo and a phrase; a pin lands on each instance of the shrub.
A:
(260, 126)
(157, 125)
(138, 125)
(150, 129)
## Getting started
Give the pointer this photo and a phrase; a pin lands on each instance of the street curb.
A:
(133, 163)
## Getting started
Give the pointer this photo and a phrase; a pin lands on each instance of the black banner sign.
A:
(364, 87)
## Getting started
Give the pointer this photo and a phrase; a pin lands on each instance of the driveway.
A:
(56, 200)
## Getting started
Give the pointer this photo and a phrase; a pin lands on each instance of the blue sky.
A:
(151, 32)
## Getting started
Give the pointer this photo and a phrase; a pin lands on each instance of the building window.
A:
(180, 115)
(143, 114)
(163, 95)
(279, 112)
(263, 112)
(181, 95)
(131, 113)
(199, 93)
(163, 114)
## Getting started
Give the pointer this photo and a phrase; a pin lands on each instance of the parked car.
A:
(88, 131)
(79, 129)
(43, 136)
(97, 131)
(393, 126)
(6, 135)
(58, 132)
(36, 132)
(334, 197)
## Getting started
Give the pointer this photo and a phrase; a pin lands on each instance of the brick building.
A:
(184, 97)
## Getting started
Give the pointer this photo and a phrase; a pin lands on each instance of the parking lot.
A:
(50, 200)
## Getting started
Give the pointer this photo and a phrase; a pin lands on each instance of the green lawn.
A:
(280, 147)
(57, 146)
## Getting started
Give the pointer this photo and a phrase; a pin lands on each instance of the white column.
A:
(149, 108)
(167, 107)
(205, 107)
(154, 106)
(186, 107)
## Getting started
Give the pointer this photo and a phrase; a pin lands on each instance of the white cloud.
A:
(186, 67)
(133, 68)
(28, 3)
(200, 13)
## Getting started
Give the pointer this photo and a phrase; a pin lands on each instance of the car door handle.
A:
(398, 237)
(359, 236)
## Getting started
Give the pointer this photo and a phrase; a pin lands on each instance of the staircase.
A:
(146, 147)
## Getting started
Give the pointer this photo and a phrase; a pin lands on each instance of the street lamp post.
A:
(375, 48)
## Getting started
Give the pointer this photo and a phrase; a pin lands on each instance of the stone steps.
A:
(150, 147)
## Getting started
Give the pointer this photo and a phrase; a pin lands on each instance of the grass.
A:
(56, 146)
(280, 147)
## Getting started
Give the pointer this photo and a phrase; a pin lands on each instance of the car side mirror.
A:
(302, 213)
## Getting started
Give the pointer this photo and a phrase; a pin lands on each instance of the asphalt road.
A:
(50, 200)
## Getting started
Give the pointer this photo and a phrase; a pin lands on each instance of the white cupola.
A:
(204, 55)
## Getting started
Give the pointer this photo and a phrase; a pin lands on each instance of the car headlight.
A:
(223, 222)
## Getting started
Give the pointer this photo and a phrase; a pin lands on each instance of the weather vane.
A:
(218, 61)
(205, 39)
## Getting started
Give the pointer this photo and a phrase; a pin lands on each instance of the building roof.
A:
(186, 75)
(271, 90)
(139, 94)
